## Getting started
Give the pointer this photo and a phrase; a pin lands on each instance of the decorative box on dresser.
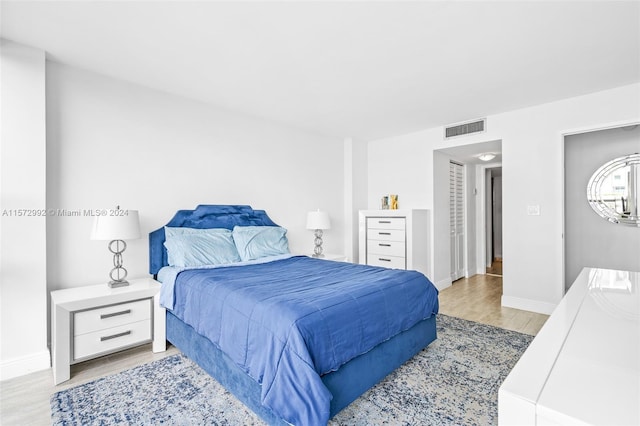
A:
(395, 239)
(92, 321)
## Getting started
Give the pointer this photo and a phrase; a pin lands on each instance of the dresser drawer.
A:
(386, 234)
(386, 261)
(387, 248)
(111, 316)
(110, 339)
(386, 223)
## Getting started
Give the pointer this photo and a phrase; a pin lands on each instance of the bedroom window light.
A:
(318, 221)
(116, 225)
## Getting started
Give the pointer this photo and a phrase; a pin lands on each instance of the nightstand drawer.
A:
(386, 234)
(388, 248)
(386, 261)
(111, 316)
(386, 223)
(102, 341)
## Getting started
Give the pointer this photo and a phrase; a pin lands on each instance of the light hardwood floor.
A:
(25, 400)
(478, 299)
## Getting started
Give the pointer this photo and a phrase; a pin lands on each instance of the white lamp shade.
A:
(118, 227)
(318, 220)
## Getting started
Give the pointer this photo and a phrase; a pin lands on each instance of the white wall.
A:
(23, 258)
(355, 183)
(113, 143)
(400, 166)
(441, 277)
(471, 210)
(532, 152)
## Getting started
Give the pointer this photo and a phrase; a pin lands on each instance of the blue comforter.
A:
(289, 321)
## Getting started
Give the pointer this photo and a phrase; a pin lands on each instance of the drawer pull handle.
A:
(384, 233)
(115, 314)
(384, 221)
(114, 336)
(386, 260)
(384, 245)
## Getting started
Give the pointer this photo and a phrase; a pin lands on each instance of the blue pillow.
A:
(171, 231)
(200, 249)
(254, 242)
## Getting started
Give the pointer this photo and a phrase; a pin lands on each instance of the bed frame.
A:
(346, 384)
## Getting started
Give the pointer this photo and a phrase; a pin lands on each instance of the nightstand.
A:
(92, 321)
(332, 256)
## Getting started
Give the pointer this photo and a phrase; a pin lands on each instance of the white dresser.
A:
(395, 239)
(583, 367)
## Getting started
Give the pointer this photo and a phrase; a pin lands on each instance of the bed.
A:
(295, 338)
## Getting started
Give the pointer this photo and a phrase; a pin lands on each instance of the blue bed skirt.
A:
(345, 384)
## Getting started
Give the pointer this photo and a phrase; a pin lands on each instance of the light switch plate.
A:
(533, 210)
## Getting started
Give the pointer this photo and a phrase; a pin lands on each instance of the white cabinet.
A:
(386, 242)
(395, 239)
(91, 321)
(583, 367)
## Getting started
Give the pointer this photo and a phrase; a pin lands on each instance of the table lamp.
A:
(118, 225)
(318, 221)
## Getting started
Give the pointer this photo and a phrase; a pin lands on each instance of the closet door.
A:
(456, 219)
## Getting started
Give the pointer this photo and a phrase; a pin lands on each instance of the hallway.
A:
(478, 299)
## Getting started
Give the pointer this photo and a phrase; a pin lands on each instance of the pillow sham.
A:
(200, 249)
(171, 231)
(254, 242)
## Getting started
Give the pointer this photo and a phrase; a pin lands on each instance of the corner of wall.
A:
(23, 259)
(528, 305)
(25, 365)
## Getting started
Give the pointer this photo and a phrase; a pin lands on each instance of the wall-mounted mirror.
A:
(614, 190)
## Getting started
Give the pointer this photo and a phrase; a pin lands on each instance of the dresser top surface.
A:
(596, 375)
(583, 367)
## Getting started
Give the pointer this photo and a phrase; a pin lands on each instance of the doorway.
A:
(469, 252)
(585, 232)
(493, 211)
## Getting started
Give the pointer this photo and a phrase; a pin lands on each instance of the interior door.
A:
(497, 218)
(456, 219)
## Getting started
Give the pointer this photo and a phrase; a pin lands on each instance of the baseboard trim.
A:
(442, 284)
(528, 305)
(24, 365)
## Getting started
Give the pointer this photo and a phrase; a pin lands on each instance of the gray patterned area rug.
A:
(454, 381)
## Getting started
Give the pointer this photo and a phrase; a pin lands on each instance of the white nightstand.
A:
(92, 321)
(332, 256)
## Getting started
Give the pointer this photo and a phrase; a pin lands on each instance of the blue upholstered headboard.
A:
(203, 217)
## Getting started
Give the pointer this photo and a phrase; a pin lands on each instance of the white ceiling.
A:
(348, 69)
(469, 154)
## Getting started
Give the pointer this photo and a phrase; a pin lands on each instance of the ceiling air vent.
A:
(465, 128)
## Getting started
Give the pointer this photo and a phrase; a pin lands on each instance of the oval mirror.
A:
(614, 190)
